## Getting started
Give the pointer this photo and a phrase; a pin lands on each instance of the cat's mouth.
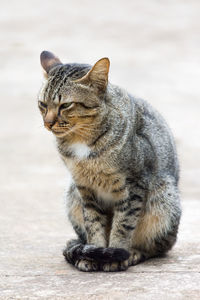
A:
(55, 131)
(59, 132)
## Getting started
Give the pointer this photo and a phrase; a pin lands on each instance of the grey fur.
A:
(134, 141)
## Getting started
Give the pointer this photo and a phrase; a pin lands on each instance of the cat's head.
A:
(71, 100)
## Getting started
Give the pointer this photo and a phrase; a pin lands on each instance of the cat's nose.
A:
(49, 124)
(50, 119)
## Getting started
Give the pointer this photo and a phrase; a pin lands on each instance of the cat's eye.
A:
(42, 105)
(66, 105)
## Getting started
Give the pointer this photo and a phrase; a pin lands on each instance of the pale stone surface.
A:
(154, 51)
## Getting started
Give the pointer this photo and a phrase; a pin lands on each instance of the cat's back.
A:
(154, 130)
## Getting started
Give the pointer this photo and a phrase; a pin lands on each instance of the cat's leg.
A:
(125, 218)
(75, 213)
(152, 228)
(76, 248)
(157, 229)
(89, 222)
(95, 219)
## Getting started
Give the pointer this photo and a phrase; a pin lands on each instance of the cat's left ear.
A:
(49, 60)
(98, 75)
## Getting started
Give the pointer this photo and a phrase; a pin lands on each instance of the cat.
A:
(123, 201)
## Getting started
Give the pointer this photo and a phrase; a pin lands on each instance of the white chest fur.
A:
(80, 150)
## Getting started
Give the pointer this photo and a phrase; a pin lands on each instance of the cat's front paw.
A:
(136, 257)
(86, 265)
(115, 266)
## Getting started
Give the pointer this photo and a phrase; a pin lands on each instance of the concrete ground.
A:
(154, 51)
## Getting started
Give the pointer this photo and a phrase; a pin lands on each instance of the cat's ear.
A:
(48, 61)
(98, 75)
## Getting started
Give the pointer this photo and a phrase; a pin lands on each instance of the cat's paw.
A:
(86, 265)
(136, 257)
(115, 266)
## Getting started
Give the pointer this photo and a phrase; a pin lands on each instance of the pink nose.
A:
(50, 119)
(49, 124)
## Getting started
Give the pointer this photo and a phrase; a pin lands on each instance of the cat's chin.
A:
(59, 133)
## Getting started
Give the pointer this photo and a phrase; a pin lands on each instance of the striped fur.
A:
(123, 202)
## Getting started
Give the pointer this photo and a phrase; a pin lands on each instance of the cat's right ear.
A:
(48, 61)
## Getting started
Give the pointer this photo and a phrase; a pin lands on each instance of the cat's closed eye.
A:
(42, 105)
(66, 106)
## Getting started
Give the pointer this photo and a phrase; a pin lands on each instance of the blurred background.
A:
(153, 47)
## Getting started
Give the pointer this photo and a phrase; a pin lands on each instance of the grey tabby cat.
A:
(123, 201)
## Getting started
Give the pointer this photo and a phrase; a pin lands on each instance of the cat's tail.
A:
(76, 250)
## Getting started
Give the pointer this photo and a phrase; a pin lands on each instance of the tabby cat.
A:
(123, 201)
